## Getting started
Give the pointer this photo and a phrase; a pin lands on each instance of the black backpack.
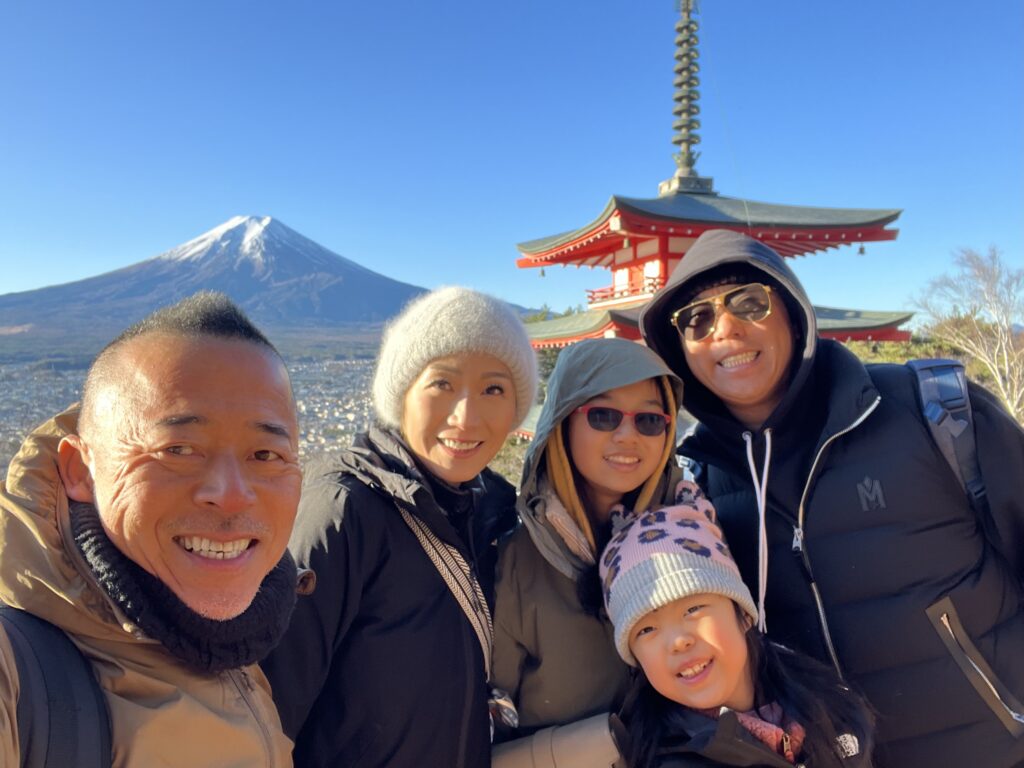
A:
(62, 713)
(946, 407)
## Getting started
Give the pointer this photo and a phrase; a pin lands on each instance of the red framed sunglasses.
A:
(604, 418)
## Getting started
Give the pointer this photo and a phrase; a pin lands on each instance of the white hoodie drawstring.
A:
(761, 493)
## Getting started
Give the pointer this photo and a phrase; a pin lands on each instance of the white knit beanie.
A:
(445, 322)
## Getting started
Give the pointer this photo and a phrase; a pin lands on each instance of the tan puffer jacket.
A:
(162, 712)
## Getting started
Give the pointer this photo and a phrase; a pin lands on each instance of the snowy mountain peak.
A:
(254, 230)
(252, 243)
(269, 269)
(240, 234)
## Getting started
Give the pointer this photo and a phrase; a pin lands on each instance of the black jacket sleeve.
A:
(330, 540)
(1000, 445)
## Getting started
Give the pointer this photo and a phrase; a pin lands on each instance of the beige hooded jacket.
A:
(557, 661)
(162, 712)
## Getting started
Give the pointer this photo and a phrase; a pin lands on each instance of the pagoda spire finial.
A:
(686, 109)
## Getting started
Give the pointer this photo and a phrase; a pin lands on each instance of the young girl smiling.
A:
(711, 690)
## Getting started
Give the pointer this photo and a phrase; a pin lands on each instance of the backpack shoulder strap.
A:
(946, 407)
(62, 713)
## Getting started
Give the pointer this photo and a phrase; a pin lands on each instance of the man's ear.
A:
(72, 461)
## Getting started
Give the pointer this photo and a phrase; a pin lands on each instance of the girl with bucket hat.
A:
(387, 660)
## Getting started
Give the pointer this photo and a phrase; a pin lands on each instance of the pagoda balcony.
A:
(612, 296)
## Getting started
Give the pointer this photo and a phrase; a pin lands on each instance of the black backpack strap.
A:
(946, 405)
(62, 713)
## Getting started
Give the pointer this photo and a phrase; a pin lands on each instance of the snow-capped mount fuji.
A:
(261, 245)
(279, 277)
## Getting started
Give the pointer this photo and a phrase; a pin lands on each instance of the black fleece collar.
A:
(380, 459)
(204, 644)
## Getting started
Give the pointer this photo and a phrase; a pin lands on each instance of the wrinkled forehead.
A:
(157, 375)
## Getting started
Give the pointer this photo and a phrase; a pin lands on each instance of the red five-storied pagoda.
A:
(642, 239)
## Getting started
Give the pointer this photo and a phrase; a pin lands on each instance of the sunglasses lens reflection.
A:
(648, 423)
(604, 419)
(698, 320)
(749, 303)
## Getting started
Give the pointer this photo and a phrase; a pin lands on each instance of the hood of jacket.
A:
(714, 251)
(584, 371)
(380, 460)
(152, 698)
(41, 568)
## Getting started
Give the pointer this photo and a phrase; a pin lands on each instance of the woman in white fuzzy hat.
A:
(387, 660)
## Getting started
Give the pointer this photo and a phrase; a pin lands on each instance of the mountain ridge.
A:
(278, 276)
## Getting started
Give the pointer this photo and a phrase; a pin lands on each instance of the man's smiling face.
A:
(191, 458)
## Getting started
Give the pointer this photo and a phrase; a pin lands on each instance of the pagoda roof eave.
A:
(836, 319)
(593, 323)
(543, 244)
(708, 211)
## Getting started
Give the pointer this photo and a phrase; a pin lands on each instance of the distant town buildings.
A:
(333, 398)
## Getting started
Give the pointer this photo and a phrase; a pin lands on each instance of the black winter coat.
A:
(725, 743)
(876, 562)
(886, 572)
(380, 666)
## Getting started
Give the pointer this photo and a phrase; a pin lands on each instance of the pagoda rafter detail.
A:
(664, 227)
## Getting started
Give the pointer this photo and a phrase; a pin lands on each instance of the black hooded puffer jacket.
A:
(876, 562)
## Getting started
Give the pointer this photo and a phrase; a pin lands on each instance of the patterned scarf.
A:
(769, 725)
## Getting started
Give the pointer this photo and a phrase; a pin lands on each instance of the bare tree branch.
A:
(980, 310)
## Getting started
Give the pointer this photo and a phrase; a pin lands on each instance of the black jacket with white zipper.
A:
(876, 562)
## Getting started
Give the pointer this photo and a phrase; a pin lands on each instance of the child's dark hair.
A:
(808, 691)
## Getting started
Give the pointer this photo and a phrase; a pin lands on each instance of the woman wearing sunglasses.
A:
(602, 444)
(750, 374)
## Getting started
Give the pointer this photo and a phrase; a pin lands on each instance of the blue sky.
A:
(425, 140)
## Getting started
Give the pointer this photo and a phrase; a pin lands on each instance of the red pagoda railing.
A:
(649, 285)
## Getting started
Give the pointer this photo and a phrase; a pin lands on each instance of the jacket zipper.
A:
(1017, 716)
(787, 746)
(245, 687)
(798, 535)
